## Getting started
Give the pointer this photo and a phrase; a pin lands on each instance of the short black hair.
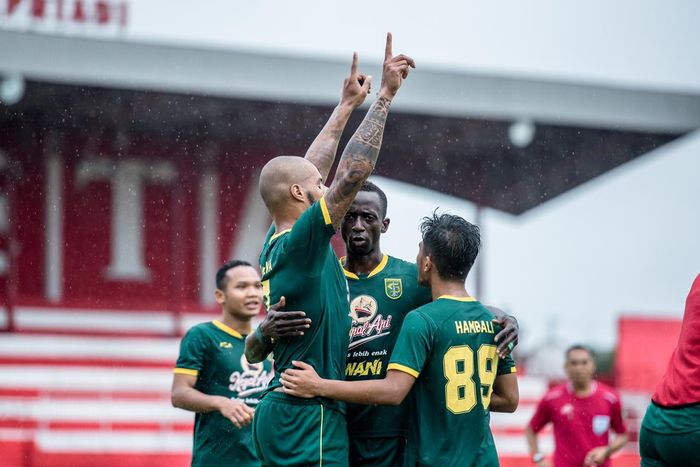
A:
(221, 273)
(580, 347)
(372, 188)
(452, 244)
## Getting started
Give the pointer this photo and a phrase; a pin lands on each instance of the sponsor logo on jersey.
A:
(393, 288)
(226, 345)
(364, 368)
(367, 325)
(251, 380)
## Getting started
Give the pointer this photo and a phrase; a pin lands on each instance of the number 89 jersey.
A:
(448, 346)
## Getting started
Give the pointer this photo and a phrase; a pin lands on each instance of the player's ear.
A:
(297, 192)
(427, 264)
(219, 296)
(385, 225)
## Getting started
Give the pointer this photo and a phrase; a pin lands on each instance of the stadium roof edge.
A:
(314, 81)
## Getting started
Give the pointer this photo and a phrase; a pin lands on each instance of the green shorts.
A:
(670, 437)
(377, 452)
(290, 431)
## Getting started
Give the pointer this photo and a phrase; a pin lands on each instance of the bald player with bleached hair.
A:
(300, 270)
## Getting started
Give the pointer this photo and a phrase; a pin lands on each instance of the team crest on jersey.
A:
(601, 424)
(251, 380)
(393, 288)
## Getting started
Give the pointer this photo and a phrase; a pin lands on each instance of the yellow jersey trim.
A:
(227, 329)
(513, 370)
(403, 368)
(459, 299)
(185, 371)
(324, 210)
(380, 267)
(278, 234)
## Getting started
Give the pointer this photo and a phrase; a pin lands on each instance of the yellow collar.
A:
(459, 299)
(227, 329)
(279, 234)
(380, 267)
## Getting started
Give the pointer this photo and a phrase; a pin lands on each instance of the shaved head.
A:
(279, 176)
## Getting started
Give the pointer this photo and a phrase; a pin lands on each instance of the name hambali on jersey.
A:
(367, 325)
(473, 327)
(251, 381)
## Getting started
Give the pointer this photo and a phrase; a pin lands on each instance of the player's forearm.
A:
(531, 437)
(257, 348)
(195, 401)
(617, 443)
(322, 151)
(502, 404)
(378, 391)
(358, 160)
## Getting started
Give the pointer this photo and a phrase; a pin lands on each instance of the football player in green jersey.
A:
(383, 289)
(298, 263)
(446, 352)
(213, 378)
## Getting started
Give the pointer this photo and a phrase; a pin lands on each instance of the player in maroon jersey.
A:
(670, 434)
(582, 412)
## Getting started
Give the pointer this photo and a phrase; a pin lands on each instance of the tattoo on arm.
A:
(358, 160)
(322, 151)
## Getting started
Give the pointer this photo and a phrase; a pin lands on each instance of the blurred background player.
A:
(670, 434)
(383, 289)
(299, 264)
(213, 378)
(446, 349)
(582, 412)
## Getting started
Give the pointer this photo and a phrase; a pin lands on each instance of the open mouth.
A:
(252, 304)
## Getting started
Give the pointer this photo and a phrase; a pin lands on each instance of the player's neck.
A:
(440, 287)
(363, 264)
(583, 389)
(240, 325)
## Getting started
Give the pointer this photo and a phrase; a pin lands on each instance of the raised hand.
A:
(356, 87)
(395, 70)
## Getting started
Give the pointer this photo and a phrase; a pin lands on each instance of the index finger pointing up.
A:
(353, 67)
(387, 52)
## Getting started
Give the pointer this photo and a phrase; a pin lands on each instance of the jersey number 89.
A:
(458, 368)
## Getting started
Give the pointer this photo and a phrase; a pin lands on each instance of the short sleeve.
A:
(311, 234)
(412, 346)
(616, 422)
(541, 417)
(191, 358)
(506, 366)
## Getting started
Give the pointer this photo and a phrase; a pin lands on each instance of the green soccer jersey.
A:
(214, 353)
(300, 265)
(379, 302)
(448, 345)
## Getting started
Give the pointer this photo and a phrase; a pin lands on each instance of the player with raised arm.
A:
(445, 351)
(299, 264)
(383, 289)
